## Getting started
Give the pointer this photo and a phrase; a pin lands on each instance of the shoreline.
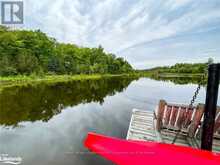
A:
(180, 75)
(26, 80)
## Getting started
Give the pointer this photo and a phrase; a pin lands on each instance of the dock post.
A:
(210, 106)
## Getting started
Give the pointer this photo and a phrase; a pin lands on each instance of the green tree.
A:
(26, 52)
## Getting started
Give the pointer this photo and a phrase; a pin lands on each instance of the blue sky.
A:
(147, 33)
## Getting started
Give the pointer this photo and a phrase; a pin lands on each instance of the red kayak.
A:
(124, 152)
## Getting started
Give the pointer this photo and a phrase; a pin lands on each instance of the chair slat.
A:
(196, 120)
(167, 115)
(174, 115)
(188, 117)
(217, 123)
(181, 117)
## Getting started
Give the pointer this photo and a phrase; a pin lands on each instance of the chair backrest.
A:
(179, 117)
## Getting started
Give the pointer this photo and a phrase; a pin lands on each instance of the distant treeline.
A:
(184, 68)
(25, 52)
(181, 80)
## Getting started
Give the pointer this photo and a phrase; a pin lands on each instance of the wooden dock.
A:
(142, 128)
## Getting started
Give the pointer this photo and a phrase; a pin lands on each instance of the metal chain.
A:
(197, 90)
(199, 85)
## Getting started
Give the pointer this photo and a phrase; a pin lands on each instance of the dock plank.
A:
(142, 126)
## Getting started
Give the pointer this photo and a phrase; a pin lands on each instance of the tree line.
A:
(25, 52)
(185, 68)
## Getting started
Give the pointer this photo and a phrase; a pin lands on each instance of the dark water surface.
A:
(46, 124)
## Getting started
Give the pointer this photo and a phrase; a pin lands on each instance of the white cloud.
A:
(173, 4)
(118, 25)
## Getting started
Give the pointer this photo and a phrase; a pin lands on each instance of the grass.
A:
(25, 80)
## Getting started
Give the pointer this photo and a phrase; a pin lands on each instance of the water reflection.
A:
(102, 106)
(42, 102)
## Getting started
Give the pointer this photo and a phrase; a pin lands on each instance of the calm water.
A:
(46, 124)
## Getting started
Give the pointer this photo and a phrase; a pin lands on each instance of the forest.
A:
(25, 52)
(182, 68)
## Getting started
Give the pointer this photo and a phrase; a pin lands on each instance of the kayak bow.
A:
(124, 152)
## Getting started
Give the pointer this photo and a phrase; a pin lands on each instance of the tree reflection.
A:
(42, 102)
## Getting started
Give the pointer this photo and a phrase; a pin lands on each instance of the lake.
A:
(46, 124)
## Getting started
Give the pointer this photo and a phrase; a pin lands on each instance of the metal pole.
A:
(210, 106)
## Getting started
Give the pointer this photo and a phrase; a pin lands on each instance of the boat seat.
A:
(179, 119)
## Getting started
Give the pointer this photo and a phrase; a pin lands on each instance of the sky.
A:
(147, 33)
